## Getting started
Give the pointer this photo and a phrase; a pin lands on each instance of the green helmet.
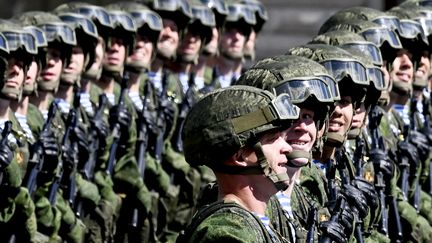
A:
(260, 13)
(219, 8)
(59, 35)
(231, 118)
(22, 44)
(4, 53)
(203, 20)
(242, 17)
(177, 10)
(97, 14)
(305, 81)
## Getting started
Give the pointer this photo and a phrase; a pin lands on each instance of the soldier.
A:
(306, 83)
(251, 155)
(18, 220)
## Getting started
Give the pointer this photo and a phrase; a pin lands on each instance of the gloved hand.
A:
(421, 142)
(382, 163)
(356, 200)
(332, 230)
(408, 150)
(120, 114)
(169, 111)
(80, 136)
(102, 130)
(368, 191)
(50, 149)
(6, 156)
(346, 219)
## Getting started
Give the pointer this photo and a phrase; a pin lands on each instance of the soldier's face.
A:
(99, 55)
(116, 53)
(402, 67)
(212, 46)
(359, 116)
(169, 39)
(142, 52)
(422, 72)
(190, 47)
(341, 118)
(302, 134)
(75, 67)
(54, 66)
(15, 74)
(31, 74)
(250, 44)
(232, 43)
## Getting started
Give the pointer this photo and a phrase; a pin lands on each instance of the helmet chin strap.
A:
(353, 133)
(335, 140)
(277, 179)
(298, 155)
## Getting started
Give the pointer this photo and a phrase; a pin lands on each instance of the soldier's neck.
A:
(157, 65)
(85, 85)
(199, 69)
(229, 67)
(327, 154)
(134, 82)
(42, 100)
(106, 84)
(294, 175)
(4, 109)
(20, 107)
(65, 92)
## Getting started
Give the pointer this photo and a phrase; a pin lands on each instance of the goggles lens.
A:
(17, 40)
(3, 44)
(284, 108)
(38, 34)
(96, 13)
(376, 75)
(173, 5)
(86, 24)
(147, 17)
(410, 29)
(125, 21)
(390, 22)
(257, 7)
(379, 36)
(238, 11)
(339, 69)
(65, 32)
(300, 90)
(370, 49)
(205, 15)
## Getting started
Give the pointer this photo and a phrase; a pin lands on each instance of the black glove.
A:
(355, 199)
(421, 142)
(408, 150)
(120, 114)
(169, 110)
(78, 135)
(50, 150)
(368, 191)
(102, 130)
(346, 218)
(6, 156)
(382, 163)
(332, 230)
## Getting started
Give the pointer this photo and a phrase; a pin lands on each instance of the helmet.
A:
(58, 34)
(4, 52)
(231, 118)
(203, 20)
(260, 13)
(177, 10)
(241, 16)
(219, 9)
(305, 81)
(22, 44)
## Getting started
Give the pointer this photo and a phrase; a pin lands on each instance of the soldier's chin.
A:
(235, 56)
(166, 54)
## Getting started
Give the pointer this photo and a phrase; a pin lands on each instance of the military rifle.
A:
(311, 221)
(116, 129)
(188, 101)
(36, 161)
(161, 123)
(339, 206)
(414, 127)
(3, 142)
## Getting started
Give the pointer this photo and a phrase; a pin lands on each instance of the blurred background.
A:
(291, 22)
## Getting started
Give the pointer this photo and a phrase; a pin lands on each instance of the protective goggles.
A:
(334, 88)
(258, 8)
(173, 5)
(17, 40)
(59, 30)
(80, 21)
(340, 69)
(150, 18)
(3, 44)
(426, 24)
(390, 22)
(410, 29)
(369, 48)
(123, 19)
(376, 75)
(205, 15)
(39, 34)
(380, 35)
(219, 5)
(300, 90)
(239, 11)
(279, 109)
(95, 12)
